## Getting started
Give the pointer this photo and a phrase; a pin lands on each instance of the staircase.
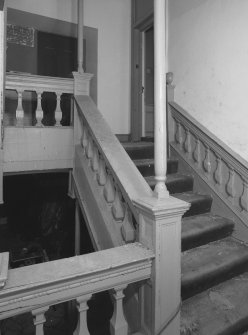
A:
(214, 264)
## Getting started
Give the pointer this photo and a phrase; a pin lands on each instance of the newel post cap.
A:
(159, 209)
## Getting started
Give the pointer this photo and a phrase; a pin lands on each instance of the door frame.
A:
(137, 66)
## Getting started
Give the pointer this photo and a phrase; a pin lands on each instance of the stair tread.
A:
(200, 203)
(137, 145)
(222, 309)
(200, 229)
(175, 182)
(211, 263)
(145, 161)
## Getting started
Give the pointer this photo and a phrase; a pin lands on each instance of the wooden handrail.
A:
(112, 166)
(32, 287)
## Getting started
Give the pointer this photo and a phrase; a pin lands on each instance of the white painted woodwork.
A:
(160, 70)
(82, 307)
(160, 231)
(32, 287)
(34, 148)
(97, 188)
(80, 36)
(118, 323)
(25, 82)
(4, 264)
(58, 111)
(39, 319)
(223, 170)
(77, 229)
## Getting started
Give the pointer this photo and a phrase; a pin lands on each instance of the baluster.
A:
(196, 153)
(89, 148)
(58, 111)
(187, 143)
(118, 323)
(82, 307)
(84, 138)
(39, 319)
(207, 163)
(244, 197)
(178, 135)
(95, 160)
(127, 228)
(217, 173)
(117, 208)
(109, 190)
(39, 111)
(102, 174)
(19, 110)
(230, 184)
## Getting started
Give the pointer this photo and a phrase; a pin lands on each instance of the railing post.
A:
(39, 111)
(160, 231)
(160, 70)
(58, 111)
(118, 323)
(82, 306)
(39, 319)
(19, 110)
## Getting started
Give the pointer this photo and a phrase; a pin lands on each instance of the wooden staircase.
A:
(214, 264)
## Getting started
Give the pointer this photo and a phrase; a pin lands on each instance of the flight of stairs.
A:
(214, 264)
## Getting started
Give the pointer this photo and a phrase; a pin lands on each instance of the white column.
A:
(80, 35)
(160, 64)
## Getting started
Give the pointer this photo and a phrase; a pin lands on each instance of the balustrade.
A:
(30, 289)
(225, 173)
(39, 85)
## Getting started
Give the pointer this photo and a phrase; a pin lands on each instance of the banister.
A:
(44, 284)
(130, 182)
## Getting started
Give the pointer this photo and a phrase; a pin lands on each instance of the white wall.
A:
(112, 18)
(208, 53)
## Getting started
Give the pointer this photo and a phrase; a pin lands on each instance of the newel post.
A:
(160, 230)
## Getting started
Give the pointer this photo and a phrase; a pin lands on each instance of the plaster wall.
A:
(208, 53)
(112, 18)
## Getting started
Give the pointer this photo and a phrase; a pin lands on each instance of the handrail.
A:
(114, 169)
(36, 287)
(21, 82)
(224, 170)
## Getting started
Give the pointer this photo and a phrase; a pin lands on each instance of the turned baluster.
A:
(244, 197)
(230, 184)
(102, 174)
(218, 172)
(82, 307)
(187, 143)
(178, 134)
(95, 160)
(196, 153)
(127, 228)
(117, 208)
(84, 138)
(118, 323)
(39, 111)
(39, 319)
(109, 190)
(89, 148)
(207, 163)
(58, 111)
(19, 110)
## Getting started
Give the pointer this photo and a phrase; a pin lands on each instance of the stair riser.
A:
(148, 170)
(199, 207)
(196, 241)
(140, 153)
(207, 281)
(178, 186)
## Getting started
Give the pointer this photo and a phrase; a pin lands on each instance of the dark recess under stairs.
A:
(214, 264)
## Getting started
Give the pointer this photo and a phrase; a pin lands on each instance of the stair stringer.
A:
(201, 185)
